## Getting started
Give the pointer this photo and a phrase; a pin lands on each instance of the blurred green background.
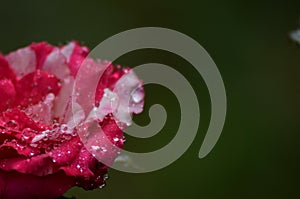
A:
(257, 154)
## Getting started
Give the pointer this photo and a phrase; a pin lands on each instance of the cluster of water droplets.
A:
(59, 133)
(99, 149)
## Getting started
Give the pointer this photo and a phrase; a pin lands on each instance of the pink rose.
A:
(41, 153)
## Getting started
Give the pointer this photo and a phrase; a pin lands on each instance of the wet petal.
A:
(8, 94)
(5, 71)
(41, 50)
(23, 61)
(34, 87)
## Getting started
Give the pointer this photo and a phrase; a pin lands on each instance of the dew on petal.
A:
(102, 185)
(138, 95)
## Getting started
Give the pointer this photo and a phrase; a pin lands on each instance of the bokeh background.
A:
(257, 155)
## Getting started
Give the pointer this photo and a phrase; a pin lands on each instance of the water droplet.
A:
(27, 133)
(64, 128)
(95, 148)
(138, 95)
(103, 149)
(48, 149)
(33, 145)
(123, 139)
(50, 97)
(102, 185)
(74, 133)
(116, 139)
(105, 176)
(39, 137)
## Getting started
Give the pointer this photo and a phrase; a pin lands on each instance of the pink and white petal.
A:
(131, 97)
(41, 50)
(22, 61)
(108, 104)
(42, 112)
(55, 63)
(63, 99)
(78, 55)
(86, 84)
(67, 50)
(100, 140)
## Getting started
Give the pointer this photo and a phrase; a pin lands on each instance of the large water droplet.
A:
(138, 95)
(28, 133)
(102, 185)
(64, 128)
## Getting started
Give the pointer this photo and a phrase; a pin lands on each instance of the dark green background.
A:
(257, 154)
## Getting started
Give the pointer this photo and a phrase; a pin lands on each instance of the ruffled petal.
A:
(23, 61)
(75, 55)
(35, 86)
(41, 50)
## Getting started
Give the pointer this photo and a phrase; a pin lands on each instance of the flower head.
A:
(41, 151)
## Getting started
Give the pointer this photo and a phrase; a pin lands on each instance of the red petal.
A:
(78, 55)
(8, 94)
(66, 152)
(17, 185)
(39, 165)
(21, 120)
(34, 87)
(5, 71)
(41, 50)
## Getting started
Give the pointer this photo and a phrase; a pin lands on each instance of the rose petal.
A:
(5, 71)
(23, 61)
(8, 94)
(42, 112)
(39, 165)
(35, 86)
(108, 80)
(17, 185)
(131, 95)
(100, 140)
(41, 50)
(21, 120)
(77, 56)
(55, 64)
